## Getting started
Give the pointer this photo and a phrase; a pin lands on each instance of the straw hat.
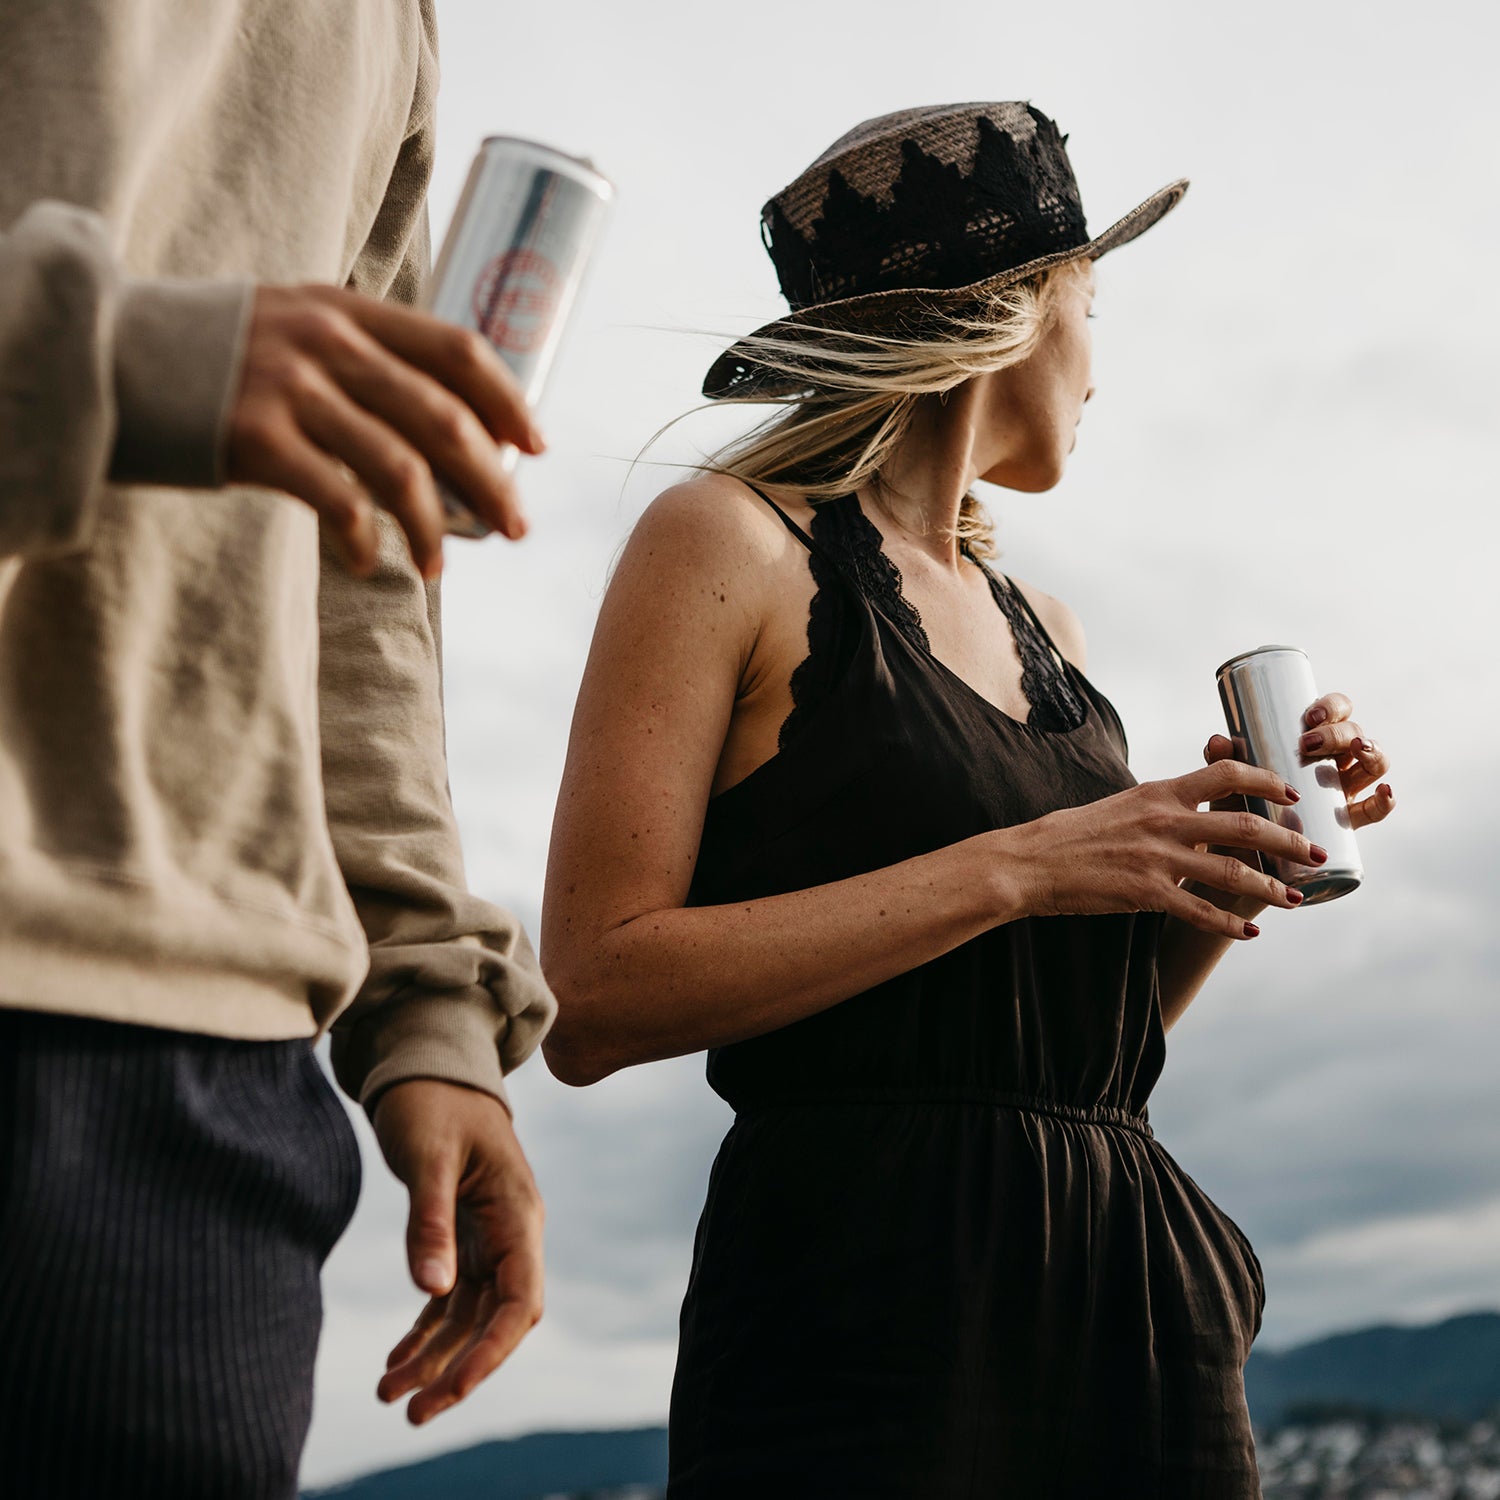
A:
(919, 213)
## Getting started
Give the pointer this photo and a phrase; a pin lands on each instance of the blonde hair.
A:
(860, 390)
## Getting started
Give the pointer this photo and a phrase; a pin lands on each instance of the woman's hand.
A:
(1331, 735)
(1135, 850)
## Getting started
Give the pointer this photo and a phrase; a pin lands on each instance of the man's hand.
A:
(473, 1239)
(348, 403)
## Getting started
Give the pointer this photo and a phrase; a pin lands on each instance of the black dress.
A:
(942, 1253)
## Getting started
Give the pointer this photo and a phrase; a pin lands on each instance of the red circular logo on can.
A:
(514, 298)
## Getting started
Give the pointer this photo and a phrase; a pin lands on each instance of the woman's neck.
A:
(923, 484)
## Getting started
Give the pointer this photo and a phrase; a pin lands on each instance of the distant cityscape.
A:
(1348, 1457)
(1334, 1456)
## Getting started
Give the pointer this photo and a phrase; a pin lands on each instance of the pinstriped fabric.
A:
(166, 1204)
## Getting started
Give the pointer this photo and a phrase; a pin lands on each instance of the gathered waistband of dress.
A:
(1110, 1115)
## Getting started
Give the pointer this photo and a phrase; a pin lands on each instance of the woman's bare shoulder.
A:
(712, 514)
(1062, 624)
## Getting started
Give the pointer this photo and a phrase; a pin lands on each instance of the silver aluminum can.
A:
(1265, 693)
(512, 261)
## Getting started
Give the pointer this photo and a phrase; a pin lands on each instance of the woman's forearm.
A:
(679, 980)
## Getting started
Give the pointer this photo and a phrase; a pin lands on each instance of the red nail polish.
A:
(1385, 790)
(1312, 741)
(1295, 897)
(1251, 930)
(1317, 715)
(1317, 855)
(1293, 793)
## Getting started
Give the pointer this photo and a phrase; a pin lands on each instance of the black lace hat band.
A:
(917, 212)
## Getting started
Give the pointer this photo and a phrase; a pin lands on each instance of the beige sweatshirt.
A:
(202, 819)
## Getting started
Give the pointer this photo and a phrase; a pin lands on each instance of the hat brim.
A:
(737, 376)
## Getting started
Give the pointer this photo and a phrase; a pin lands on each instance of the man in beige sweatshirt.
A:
(224, 816)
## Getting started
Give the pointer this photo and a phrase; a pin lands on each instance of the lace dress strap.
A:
(1046, 682)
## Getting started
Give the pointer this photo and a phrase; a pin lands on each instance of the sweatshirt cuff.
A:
(178, 349)
(450, 1037)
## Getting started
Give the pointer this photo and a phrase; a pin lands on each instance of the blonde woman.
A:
(842, 808)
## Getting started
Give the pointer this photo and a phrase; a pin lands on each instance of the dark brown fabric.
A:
(942, 1253)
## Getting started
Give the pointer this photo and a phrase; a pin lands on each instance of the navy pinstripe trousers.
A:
(166, 1205)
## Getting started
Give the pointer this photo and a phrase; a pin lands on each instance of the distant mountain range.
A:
(1448, 1370)
(524, 1468)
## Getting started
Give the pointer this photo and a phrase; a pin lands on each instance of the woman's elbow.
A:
(574, 1051)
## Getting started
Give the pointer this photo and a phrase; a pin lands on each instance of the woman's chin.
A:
(1031, 478)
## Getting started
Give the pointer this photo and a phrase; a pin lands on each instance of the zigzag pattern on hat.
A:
(974, 187)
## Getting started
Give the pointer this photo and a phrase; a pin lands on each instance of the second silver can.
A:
(1265, 694)
(513, 259)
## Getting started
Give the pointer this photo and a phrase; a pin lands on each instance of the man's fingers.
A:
(287, 461)
(429, 1358)
(461, 360)
(439, 425)
(428, 1319)
(431, 1251)
(387, 465)
(508, 1313)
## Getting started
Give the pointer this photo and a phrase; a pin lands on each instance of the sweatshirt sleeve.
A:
(102, 378)
(454, 991)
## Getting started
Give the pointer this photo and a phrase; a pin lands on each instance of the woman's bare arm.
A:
(640, 976)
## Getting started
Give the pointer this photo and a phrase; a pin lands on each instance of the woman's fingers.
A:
(1219, 747)
(1329, 709)
(1367, 764)
(1247, 830)
(1373, 809)
(1227, 778)
(1234, 877)
(1207, 917)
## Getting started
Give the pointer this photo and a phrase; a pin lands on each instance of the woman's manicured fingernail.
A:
(1312, 741)
(1317, 854)
(1294, 897)
(1251, 930)
(1365, 747)
(1385, 791)
(1292, 793)
(1317, 715)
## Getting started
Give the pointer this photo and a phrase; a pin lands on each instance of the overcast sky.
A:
(1293, 440)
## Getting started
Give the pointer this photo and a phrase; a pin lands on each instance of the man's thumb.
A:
(430, 1249)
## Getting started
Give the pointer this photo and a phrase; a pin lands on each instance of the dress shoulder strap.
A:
(786, 520)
